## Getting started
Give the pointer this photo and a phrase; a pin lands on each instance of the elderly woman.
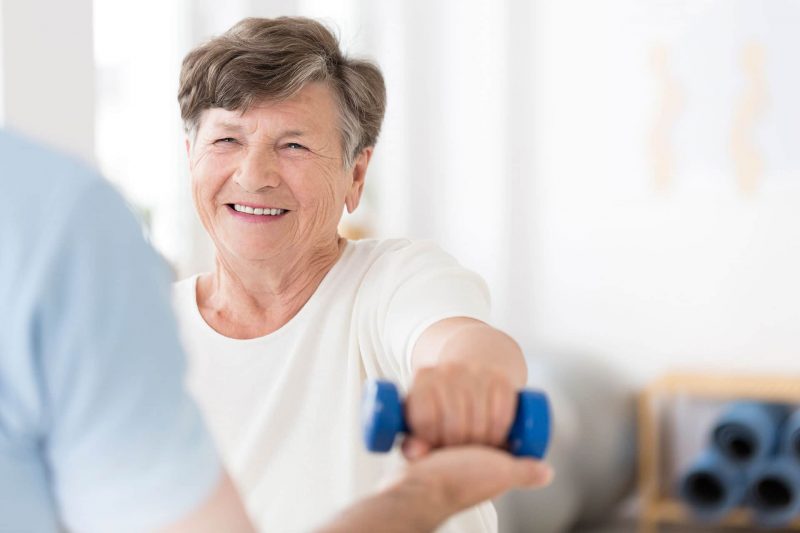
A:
(280, 128)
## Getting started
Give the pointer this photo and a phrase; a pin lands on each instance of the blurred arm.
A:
(223, 511)
(441, 484)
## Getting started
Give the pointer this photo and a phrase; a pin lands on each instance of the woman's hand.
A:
(458, 402)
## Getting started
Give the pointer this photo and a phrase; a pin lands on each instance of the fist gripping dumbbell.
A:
(383, 419)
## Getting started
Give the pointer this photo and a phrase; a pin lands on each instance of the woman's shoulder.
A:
(399, 258)
(398, 247)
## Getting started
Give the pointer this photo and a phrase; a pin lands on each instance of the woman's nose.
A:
(259, 170)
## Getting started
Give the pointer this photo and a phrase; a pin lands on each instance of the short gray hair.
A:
(272, 59)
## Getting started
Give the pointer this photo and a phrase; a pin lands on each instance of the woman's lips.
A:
(256, 214)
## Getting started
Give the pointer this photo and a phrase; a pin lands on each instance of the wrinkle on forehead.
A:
(312, 108)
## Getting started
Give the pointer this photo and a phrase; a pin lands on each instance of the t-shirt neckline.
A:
(308, 307)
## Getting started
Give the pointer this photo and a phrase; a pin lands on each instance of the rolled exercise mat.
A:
(790, 444)
(713, 486)
(748, 432)
(383, 419)
(774, 492)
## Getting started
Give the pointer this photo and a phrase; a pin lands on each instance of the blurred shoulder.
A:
(59, 208)
(29, 170)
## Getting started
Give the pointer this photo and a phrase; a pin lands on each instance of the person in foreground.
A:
(96, 431)
(281, 335)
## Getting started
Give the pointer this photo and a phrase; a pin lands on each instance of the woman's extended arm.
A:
(467, 374)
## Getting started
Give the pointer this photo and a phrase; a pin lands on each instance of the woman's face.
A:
(272, 179)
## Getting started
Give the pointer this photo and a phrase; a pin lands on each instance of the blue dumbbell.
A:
(383, 419)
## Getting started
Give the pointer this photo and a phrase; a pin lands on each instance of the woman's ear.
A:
(359, 175)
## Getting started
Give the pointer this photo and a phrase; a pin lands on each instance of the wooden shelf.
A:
(767, 388)
(659, 508)
(673, 512)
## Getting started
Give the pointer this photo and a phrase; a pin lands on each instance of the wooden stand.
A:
(659, 507)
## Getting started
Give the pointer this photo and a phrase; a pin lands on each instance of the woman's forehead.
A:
(311, 108)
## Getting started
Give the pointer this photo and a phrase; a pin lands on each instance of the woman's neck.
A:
(249, 299)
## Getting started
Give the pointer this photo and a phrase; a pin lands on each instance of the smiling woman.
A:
(281, 127)
(277, 155)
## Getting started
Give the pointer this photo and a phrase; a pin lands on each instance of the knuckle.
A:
(479, 426)
(500, 381)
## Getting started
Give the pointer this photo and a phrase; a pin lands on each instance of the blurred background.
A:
(625, 174)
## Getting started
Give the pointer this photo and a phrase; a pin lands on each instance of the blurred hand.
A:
(463, 476)
(436, 487)
(456, 403)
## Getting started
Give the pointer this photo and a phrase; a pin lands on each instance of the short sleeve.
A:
(126, 447)
(407, 289)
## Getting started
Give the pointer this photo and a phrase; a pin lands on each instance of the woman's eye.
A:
(225, 140)
(295, 146)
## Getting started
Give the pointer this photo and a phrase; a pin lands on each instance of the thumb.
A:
(530, 473)
(414, 448)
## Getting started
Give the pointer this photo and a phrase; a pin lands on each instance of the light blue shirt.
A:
(96, 431)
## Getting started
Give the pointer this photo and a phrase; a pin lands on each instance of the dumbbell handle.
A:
(383, 419)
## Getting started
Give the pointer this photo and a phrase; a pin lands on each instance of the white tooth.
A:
(248, 210)
(238, 208)
(258, 211)
(273, 211)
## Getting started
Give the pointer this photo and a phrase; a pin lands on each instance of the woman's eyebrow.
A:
(229, 126)
(235, 127)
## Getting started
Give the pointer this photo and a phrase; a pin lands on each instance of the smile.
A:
(266, 211)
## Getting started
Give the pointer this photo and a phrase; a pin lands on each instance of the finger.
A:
(453, 403)
(503, 405)
(414, 448)
(479, 416)
(529, 473)
(423, 415)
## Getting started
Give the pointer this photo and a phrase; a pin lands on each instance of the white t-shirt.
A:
(285, 408)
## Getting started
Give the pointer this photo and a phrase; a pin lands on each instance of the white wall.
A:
(702, 271)
(585, 158)
(528, 139)
(48, 72)
(448, 158)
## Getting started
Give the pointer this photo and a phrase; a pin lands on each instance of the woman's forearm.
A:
(472, 342)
